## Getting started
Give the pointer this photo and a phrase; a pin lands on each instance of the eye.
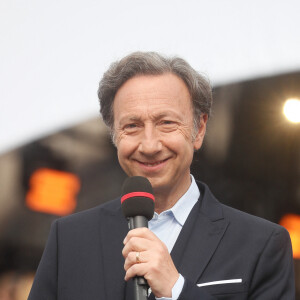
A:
(168, 125)
(131, 127)
(167, 122)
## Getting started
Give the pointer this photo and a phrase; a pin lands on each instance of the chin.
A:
(158, 186)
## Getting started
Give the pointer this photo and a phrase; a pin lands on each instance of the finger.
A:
(136, 244)
(135, 270)
(140, 232)
(135, 258)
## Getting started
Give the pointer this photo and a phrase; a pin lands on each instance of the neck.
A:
(165, 200)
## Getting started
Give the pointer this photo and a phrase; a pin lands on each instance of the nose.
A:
(150, 143)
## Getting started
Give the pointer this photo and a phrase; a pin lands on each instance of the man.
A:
(195, 248)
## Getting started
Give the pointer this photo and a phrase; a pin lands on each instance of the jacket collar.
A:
(200, 236)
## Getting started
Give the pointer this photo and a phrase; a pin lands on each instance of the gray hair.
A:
(152, 63)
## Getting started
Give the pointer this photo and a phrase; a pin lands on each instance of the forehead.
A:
(154, 92)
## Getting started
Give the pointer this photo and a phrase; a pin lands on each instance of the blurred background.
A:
(56, 157)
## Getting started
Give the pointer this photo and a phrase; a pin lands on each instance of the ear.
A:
(201, 132)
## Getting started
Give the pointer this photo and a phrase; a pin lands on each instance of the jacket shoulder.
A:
(111, 207)
(240, 222)
(246, 221)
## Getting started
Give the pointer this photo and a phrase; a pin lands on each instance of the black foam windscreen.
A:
(137, 197)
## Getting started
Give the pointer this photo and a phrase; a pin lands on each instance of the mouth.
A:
(153, 164)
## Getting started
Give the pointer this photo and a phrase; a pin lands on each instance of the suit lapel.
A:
(113, 231)
(199, 237)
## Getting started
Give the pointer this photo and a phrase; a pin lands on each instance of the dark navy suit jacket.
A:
(83, 260)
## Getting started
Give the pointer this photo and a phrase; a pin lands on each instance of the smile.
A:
(152, 164)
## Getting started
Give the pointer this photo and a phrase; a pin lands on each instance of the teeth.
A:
(152, 164)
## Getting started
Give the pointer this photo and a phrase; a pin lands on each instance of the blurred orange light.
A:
(52, 192)
(292, 223)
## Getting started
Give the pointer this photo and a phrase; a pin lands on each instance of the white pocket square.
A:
(220, 282)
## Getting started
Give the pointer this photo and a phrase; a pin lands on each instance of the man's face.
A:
(153, 124)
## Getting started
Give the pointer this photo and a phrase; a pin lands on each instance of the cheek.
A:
(182, 138)
(125, 148)
(122, 151)
(180, 144)
(123, 154)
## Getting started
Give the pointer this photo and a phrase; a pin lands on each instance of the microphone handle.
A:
(138, 222)
(140, 283)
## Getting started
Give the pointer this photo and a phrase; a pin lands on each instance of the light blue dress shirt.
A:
(167, 226)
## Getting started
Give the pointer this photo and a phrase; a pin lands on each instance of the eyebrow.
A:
(130, 118)
(135, 118)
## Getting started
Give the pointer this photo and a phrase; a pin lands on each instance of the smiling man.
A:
(195, 248)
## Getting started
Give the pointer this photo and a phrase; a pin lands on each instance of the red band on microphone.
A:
(137, 194)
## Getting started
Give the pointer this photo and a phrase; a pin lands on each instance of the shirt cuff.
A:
(176, 290)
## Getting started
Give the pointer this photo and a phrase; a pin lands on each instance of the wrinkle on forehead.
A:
(153, 97)
(146, 106)
(149, 114)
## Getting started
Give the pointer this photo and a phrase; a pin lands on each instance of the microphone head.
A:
(137, 197)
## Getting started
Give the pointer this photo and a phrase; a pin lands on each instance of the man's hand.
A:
(155, 262)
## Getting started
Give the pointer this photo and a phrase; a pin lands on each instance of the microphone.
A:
(138, 208)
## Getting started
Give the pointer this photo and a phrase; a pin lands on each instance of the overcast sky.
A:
(53, 53)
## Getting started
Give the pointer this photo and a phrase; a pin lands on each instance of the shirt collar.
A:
(184, 205)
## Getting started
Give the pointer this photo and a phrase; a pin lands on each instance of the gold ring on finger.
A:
(137, 258)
